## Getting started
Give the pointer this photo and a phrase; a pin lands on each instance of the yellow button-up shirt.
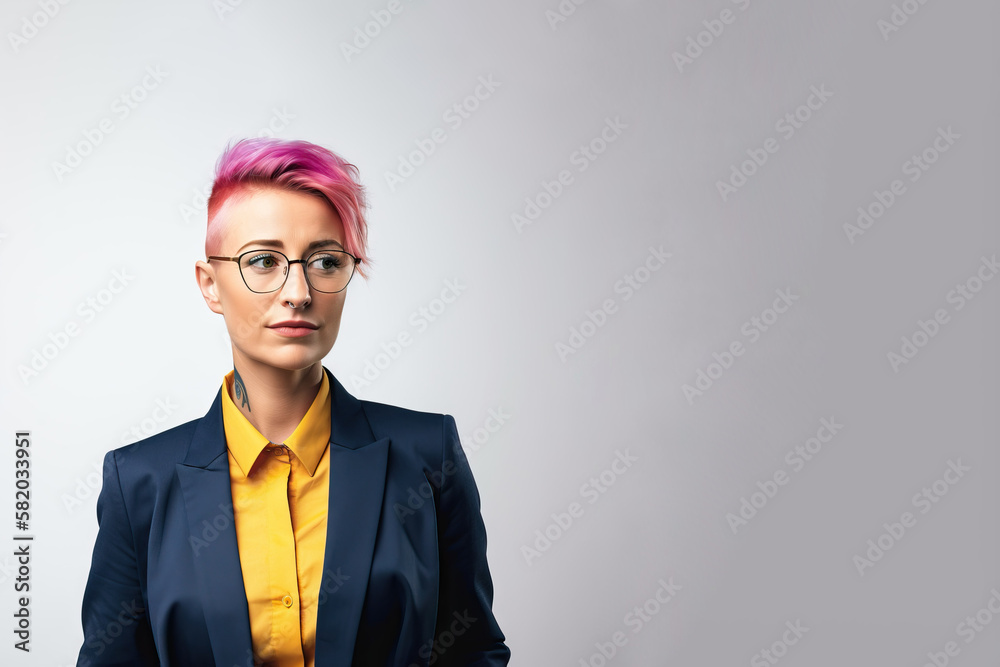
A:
(280, 495)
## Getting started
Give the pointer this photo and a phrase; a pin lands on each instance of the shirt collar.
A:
(308, 442)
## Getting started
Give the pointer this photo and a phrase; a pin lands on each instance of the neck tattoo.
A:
(241, 390)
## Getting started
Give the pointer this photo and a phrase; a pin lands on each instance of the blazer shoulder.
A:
(383, 412)
(421, 430)
(158, 452)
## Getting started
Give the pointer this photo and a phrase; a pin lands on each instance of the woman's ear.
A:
(205, 276)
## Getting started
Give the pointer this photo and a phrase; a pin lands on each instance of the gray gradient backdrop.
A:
(738, 500)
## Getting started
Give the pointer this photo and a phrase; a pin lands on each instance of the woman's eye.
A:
(264, 261)
(328, 262)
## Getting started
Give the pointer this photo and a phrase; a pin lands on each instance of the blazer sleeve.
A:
(465, 609)
(116, 629)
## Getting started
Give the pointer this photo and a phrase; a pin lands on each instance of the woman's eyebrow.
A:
(278, 244)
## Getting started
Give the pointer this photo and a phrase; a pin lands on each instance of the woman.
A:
(293, 524)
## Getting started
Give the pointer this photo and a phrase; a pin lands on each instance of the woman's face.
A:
(273, 219)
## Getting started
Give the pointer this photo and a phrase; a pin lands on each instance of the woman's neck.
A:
(273, 399)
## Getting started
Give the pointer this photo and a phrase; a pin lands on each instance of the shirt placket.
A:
(285, 601)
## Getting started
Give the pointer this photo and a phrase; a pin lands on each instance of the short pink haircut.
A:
(254, 164)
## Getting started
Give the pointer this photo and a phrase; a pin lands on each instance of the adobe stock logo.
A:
(915, 167)
(924, 500)
(627, 285)
(697, 44)
(584, 156)
(59, 340)
(421, 319)
(752, 329)
(796, 458)
(779, 648)
(562, 12)
(636, 619)
(928, 329)
(900, 16)
(593, 489)
(482, 434)
(454, 116)
(968, 629)
(364, 35)
(740, 173)
(122, 107)
(30, 26)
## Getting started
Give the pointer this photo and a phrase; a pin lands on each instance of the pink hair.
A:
(251, 164)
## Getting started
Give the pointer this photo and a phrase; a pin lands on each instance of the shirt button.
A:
(287, 600)
(277, 451)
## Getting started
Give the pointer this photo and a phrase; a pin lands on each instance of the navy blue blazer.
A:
(405, 577)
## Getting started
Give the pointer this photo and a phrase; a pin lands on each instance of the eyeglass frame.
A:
(301, 260)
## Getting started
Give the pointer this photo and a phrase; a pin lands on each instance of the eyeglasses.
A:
(264, 271)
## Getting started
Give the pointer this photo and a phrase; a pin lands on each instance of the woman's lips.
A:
(293, 329)
(293, 332)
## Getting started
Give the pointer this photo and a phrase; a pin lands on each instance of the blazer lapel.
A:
(358, 464)
(208, 499)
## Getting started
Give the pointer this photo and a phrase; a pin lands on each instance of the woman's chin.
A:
(290, 357)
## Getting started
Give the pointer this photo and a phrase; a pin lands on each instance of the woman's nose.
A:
(296, 287)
